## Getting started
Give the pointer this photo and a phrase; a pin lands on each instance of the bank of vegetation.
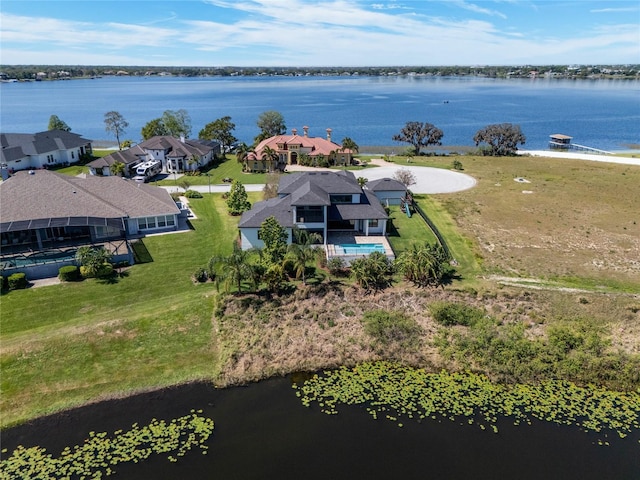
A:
(154, 326)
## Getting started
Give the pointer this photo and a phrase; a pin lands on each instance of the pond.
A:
(263, 431)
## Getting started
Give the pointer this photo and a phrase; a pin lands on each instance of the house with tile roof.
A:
(44, 215)
(327, 203)
(176, 154)
(24, 151)
(296, 149)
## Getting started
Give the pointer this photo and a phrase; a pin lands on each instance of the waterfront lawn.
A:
(229, 168)
(404, 231)
(149, 328)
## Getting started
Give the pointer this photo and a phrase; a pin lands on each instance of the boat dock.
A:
(560, 141)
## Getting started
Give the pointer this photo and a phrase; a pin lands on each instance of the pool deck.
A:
(350, 238)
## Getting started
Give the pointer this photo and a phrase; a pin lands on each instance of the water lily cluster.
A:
(95, 458)
(394, 390)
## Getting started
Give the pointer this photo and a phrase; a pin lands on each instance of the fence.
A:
(433, 228)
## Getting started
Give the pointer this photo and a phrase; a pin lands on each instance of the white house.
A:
(24, 151)
(176, 154)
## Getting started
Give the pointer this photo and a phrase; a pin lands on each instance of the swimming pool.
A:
(39, 258)
(359, 248)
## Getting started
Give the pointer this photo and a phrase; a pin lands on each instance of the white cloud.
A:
(615, 10)
(472, 7)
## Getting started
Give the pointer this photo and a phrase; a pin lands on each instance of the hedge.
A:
(17, 281)
(69, 273)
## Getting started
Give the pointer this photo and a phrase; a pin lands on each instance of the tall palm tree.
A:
(270, 157)
(233, 268)
(242, 154)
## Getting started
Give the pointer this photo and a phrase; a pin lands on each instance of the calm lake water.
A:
(599, 113)
(262, 431)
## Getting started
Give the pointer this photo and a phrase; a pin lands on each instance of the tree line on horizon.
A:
(496, 139)
(53, 72)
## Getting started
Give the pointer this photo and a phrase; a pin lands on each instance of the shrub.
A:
(68, 273)
(4, 284)
(192, 194)
(457, 165)
(103, 271)
(200, 275)
(391, 327)
(336, 266)
(17, 281)
(451, 313)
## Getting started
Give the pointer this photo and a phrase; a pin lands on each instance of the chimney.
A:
(182, 138)
(294, 131)
(306, 131)
(329, 134)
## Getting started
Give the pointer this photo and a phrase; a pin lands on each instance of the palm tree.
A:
(424, 264)
(242, 154)
(269, 156)
(117, 168)
(233, 268)
(298, 256)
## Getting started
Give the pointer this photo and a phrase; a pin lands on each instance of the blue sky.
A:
(319, 32)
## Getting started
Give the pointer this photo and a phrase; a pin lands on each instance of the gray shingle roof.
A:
(331, 182)
(127, 156)
(386, 185)
(45, 194)
(280, 208)
(369, 208)
(38, 143)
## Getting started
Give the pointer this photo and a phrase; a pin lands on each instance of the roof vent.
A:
(32, 172)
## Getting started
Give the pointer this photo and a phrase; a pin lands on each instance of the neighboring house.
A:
(176, 154)
(322, 202)
(44, 214)
(24, 151)
(388, 190)
(291, 149)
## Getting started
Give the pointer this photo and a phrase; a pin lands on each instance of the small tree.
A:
(56, 124)
(237, 202)
(274, 237)
(117, 168)
(419, 135)
(221, 131)
(501, 139)
(116, 124)
(270, 189)
(372, 272)
(405, 177)
(426, 264)
(94, 262)
(349, 144)
(231, 269)
(298, 255)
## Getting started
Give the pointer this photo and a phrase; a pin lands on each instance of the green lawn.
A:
(150, 328)
(227, 169)
(403, 231)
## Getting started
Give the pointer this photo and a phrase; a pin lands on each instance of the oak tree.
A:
(419, 135)
(501, 139)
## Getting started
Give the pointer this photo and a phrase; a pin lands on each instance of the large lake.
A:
(263, 431)
(600, 113)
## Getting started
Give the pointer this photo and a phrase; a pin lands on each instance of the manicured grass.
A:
(229, 168)
(403, 231)
(150, 328)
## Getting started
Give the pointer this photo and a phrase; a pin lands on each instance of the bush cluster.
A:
(69, 273)
(452, 313)
(388, 327)
(192, 194)
(17, 281)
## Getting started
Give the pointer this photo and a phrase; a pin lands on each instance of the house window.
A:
(171, 220)
(309, 214)
(72, 155)
(373, 223)
(341, 199)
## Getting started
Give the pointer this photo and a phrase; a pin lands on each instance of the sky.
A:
(306, 33)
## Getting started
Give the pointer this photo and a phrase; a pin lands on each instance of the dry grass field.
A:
(573, 222)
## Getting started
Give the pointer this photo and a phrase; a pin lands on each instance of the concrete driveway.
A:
(429, 179)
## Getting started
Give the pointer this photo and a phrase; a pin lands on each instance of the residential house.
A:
(327, 203)
(176, 154)
(24, 151)
(388, 190)
(45, 216)
(295, 149)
